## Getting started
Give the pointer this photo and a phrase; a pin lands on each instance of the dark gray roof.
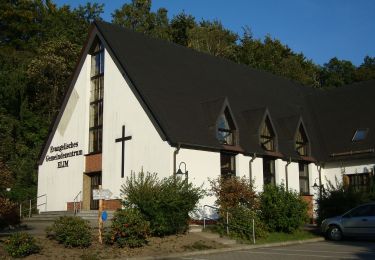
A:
(339, 113)
(184, 91)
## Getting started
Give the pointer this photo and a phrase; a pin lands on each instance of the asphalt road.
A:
(318, 250)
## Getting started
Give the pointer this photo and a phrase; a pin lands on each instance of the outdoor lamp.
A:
(179, 171)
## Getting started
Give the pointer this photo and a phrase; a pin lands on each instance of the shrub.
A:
(338, 199)
(129, 228)
(21, 245)
(164, 203)
(241, 224)
(282, 210)
(71, 232)
(8, 213)
(233, 192)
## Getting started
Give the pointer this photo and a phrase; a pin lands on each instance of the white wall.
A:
(62, 184)
(146, 150)
(201, 166)
(333, 172)
(242, 169)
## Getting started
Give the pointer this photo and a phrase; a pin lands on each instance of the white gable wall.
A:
(146, 150)
(62, 184)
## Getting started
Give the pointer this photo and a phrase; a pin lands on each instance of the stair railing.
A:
(76, 202)
(30, 203)
(227, 222)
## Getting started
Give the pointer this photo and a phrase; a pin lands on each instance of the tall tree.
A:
(213, 38)
(180, 25)
(337, 73)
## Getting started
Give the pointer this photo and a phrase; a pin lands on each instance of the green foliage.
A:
(234, 192)
(241, 224)
(165, 203)
(21, 245)
(71, 232)
(9, 214)
(129, 228)
(340, 198)
(282, 210)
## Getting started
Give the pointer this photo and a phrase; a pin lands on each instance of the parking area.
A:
(318, 250)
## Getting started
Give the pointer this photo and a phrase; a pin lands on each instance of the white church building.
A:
(138, 103)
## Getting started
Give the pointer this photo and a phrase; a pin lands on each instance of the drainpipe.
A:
(175, 152)
(319, 168)
(286, 172)
(251, 168)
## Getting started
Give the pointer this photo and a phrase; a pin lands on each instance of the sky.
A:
(320, 29)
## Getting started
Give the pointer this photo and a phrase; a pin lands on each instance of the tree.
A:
(135, 16)
(337, 73)
(181, 24)
(48, 73)
(366, 70)
(213, 38)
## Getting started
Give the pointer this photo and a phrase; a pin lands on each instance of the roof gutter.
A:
(251, 168)
(286, 172)
(372, 150)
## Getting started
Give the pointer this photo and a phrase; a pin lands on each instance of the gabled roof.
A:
(178, 83)
(182, 89)
(340, 112)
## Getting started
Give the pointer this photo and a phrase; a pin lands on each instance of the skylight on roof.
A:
(360, 135)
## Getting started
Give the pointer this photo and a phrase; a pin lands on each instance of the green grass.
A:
(283, 237)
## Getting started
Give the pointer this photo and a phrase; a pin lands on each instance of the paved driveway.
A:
(318, 250)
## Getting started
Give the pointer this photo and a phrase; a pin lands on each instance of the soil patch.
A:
(156, 247)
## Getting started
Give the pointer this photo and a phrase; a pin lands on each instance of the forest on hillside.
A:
(40, 44)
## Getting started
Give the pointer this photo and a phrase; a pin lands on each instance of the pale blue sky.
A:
(321, 29)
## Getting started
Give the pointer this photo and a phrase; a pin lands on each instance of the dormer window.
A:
(302, 143)
(226, 131)
(360, 135)
(267, 135)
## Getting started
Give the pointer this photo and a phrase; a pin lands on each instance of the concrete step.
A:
(195, 228)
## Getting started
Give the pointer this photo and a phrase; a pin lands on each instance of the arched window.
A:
(226, 130)
(267, 135)
(302, 143)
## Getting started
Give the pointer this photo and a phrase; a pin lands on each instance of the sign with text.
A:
(103, 194)
(62, 152)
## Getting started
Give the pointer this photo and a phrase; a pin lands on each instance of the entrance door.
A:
(96, 180)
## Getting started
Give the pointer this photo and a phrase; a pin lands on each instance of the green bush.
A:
(241, 224)
(21, 245)
(8, 213)
(282, 210)
(338, 199)
(164, 203)
(129, 228)
(71, 232)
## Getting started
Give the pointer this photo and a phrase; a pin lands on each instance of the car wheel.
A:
(334, 233)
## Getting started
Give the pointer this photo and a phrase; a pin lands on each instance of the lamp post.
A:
(183, 173)
(320, 187)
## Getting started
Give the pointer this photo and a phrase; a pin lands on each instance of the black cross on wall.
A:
(123, 139)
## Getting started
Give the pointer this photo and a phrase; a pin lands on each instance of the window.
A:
(269, 171)
(228, 165)
(267, 135)
(225, 129)
(302, 144)
(96, 99)
(304, 187)
(361, 181)
(360, 135)
(363, 211)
